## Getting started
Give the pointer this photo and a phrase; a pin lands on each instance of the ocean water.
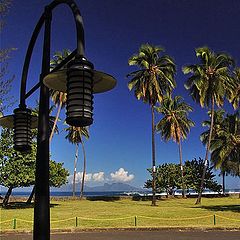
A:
(112, 193)
(68, 194)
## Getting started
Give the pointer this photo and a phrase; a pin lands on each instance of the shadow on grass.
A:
(104, 198)
(233, 208)
(149, 198)
(22, 205)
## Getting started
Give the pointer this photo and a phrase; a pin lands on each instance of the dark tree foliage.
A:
(168, 178)
(193, 175)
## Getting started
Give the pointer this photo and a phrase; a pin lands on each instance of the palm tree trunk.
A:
(153, 160)
(181, 167)
(223, 182)
(7, 196)
(31, 195)
(206, 156)
(84, 170)
(75, 170)
(50, 139)
(57, 117)
(239, 172)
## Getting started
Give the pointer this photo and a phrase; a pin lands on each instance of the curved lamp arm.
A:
(80, 41)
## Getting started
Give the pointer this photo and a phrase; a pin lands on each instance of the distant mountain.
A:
(107, 187)
(112, 187)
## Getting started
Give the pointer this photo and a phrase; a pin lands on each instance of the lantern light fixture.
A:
(22, 129)
(79, 104)
(21, 122)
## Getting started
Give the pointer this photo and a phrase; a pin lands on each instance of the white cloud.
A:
(98, 177)
(121, 176)
(89, 177)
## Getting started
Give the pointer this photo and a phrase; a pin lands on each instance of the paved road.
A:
(136, 235)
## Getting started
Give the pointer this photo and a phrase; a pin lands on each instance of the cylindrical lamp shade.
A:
(22, 129)
(79, 103)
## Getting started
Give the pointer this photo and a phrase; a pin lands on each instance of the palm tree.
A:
(154, 79)
(234, 90)
(208, 86)
(74, 136)
(175, 125)
(226, 144)
(35, 112)
(59, 98)
(217, 124)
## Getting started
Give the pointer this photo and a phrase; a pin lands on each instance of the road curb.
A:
(78, 230)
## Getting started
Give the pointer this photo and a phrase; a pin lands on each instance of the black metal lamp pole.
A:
(79, 80)
(41, 228)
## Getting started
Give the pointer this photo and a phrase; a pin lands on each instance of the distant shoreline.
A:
(116, 194)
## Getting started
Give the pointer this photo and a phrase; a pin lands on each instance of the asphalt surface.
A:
(136, 235)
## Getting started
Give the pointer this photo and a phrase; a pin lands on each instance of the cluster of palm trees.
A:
(225, 143)
(212, 80)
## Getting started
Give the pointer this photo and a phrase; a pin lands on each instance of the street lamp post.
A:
(79, 80)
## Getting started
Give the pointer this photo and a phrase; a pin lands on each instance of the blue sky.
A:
(119, 147)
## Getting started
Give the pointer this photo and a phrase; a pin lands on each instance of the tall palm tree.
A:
(75, 136)
(217, 124)
(226, 144)
(175, 125)
(59, 98)
(151, 82)
(208, 84)
(35, 112)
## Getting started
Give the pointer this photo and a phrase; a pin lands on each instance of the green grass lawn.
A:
(122, 213)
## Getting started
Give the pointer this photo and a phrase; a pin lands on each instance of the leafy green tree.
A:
(57, 177)
(168, 177)
(75, 136)
(18, 170)
(59, 98)
(209, 85)
(193, 176)
(175, 125)
(57, 174)
(35, 112)
(154, 79)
